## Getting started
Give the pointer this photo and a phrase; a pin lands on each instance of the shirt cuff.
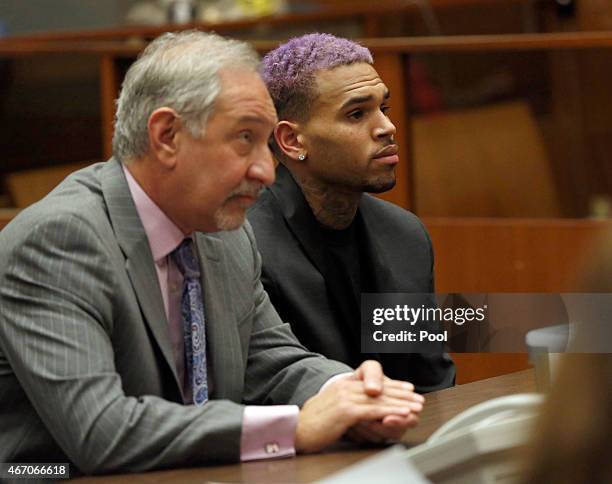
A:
(268, 431)
(339, 376)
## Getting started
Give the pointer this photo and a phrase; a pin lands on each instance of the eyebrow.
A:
(363, 99)
(255, 119)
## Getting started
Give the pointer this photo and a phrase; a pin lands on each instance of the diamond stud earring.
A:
(301, 157)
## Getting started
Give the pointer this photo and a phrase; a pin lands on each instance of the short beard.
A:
(380, 185)
(229, 221)
(224, 219)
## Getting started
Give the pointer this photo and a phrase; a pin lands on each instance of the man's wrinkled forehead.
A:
(243, 90)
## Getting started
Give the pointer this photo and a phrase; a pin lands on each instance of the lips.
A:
(390, 150)
(387, 156)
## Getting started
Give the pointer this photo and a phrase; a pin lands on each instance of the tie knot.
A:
(186, 261)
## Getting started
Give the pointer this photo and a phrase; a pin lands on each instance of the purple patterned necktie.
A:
(192, 312)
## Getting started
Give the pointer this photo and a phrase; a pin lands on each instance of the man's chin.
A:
(379, 186)
(229, 221)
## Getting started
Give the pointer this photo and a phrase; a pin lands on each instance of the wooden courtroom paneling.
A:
(390, 53)
(109, 91)
(509, 255)
(373, 16)
(29, 186)
(478, 366)
(483, 162)
(6, 215)
(512, 255)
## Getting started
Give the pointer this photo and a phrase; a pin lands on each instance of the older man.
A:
(324, 241)
(134, 333)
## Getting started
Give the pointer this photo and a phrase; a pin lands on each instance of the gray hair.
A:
(180, 71)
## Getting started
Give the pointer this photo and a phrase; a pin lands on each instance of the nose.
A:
(262, 167)
(385, 128)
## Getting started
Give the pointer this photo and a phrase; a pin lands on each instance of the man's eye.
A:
(245, 136)
(385, 109)
(357, 114)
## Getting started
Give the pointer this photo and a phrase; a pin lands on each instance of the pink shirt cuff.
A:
(268, 431)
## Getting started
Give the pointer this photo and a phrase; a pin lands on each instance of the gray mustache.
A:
(247, 189)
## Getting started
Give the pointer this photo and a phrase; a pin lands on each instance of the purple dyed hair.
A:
(289, 70)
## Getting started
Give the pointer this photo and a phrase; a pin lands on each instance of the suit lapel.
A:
(298, 216)
(384, 278)
(303, 225)
(222, 334)
(139, 261)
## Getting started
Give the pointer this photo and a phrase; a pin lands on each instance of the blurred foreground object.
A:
(573, 439)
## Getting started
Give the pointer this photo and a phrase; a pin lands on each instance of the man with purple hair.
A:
(323, 239)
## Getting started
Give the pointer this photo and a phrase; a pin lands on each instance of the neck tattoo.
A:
(332, 207)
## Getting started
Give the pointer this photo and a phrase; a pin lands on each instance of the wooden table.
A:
(440, 407)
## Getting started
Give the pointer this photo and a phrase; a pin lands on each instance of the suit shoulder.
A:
(239, 241)
(265, 209)
(391, 213)
(267, 221)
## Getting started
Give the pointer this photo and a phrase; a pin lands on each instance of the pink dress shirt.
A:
(267, 431)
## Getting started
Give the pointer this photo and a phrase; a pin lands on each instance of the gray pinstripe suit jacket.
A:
(86, 372)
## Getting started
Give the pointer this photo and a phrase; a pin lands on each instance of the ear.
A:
(163, 126)
(289, 139)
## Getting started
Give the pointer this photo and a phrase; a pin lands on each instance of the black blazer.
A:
(401, 256)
